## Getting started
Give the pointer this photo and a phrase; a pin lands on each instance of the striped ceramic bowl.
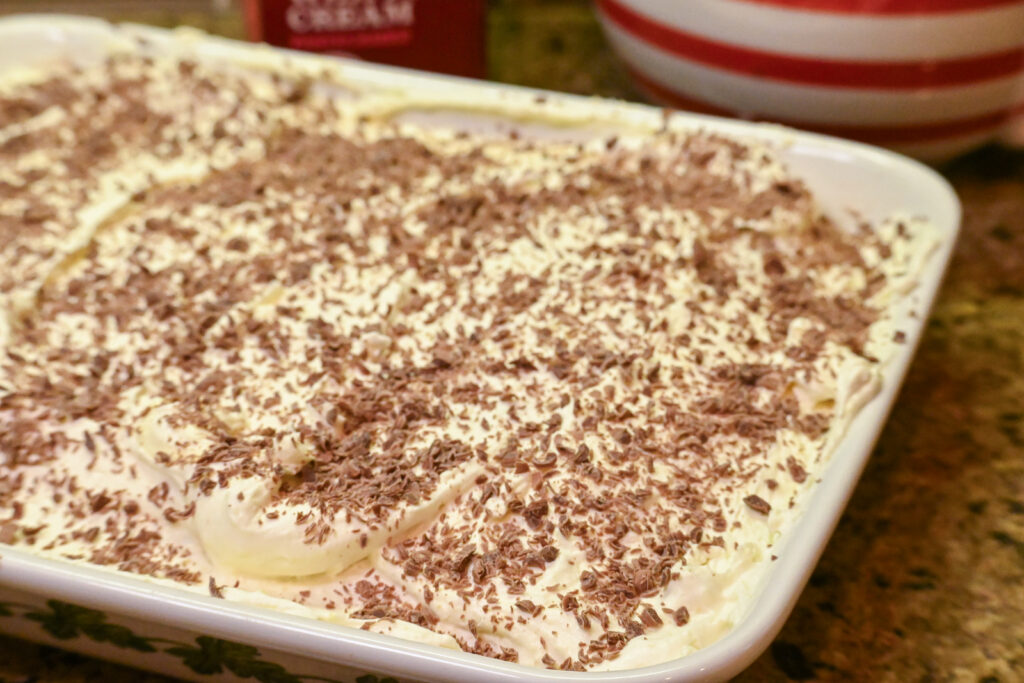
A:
(931, 78)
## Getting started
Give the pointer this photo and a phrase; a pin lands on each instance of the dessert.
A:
(551, 402)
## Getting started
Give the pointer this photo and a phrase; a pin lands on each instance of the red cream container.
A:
(445, 36)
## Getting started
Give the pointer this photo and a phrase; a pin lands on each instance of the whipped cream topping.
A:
(544, 401)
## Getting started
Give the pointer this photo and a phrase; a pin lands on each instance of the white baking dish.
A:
(180, 632)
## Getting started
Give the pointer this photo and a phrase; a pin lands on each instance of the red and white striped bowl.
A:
(931, 78)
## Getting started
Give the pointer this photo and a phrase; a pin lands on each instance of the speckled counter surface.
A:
(924, 578)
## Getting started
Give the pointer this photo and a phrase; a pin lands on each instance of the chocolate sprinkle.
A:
(758, 504)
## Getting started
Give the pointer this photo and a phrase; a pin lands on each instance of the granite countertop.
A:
(924, 577)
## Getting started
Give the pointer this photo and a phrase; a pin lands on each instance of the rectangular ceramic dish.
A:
(180, 633)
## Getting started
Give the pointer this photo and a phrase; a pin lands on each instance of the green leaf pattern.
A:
(209, 656)
(213, 655)
(65, 621)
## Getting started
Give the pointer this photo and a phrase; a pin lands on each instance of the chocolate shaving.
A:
(796, 470)
(758, 504)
